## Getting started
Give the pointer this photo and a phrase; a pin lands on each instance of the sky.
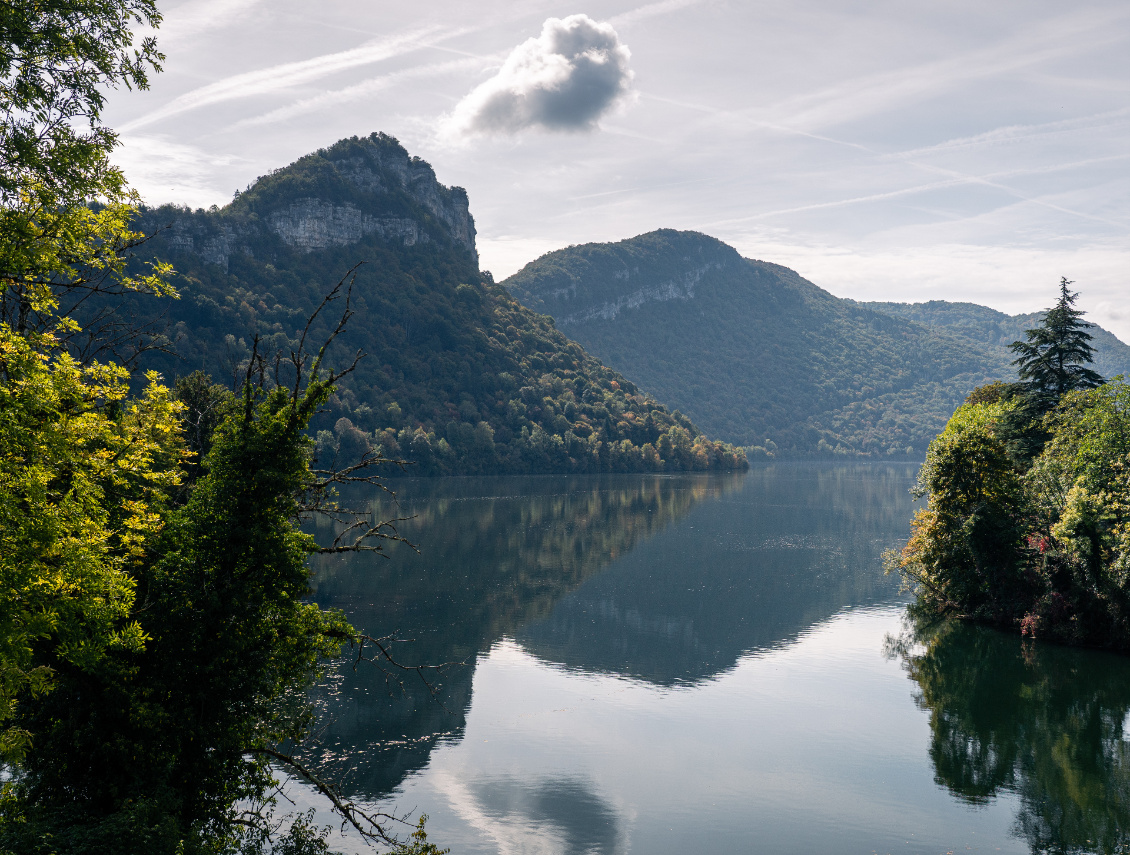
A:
(901, 150)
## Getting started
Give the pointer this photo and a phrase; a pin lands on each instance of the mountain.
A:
(759, 355)
(457, 376)
(982, 324)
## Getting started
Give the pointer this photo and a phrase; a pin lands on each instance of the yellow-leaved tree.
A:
(85, 471)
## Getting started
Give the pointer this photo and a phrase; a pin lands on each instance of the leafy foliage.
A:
(57, 57)
(1038, 542)
(85, 476)
(84, 471)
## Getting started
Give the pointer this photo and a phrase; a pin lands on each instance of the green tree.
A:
(155, 645)
(83, 469)
(1055, 357)
(57, 58)
(965, 553)
(156, 744)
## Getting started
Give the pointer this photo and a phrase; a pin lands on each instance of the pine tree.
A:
(1055, 358)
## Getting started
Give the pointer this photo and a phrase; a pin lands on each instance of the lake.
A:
(706, 664)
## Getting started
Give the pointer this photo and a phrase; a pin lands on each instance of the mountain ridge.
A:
(458, 378)
(761, 356)
(1000, 329)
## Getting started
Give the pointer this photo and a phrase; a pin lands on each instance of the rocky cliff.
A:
(334, 197)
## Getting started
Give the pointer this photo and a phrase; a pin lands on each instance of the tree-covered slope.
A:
(457, 376)
(757, 354)
(982, 324)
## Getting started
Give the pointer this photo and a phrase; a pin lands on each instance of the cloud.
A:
(853, 99)
(563, 80)
(277, 77)
(196, 18)
(651, 10)
(164, 170)
(358, 91)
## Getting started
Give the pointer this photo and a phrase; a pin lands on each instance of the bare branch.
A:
(368, 825)
(384, 655)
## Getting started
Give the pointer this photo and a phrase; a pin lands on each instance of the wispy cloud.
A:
(1016, 133)
(360, 91)
(651, 10)
(954, 179)
(747, 118)
(279, 77)
(192, 19)
(864, 96)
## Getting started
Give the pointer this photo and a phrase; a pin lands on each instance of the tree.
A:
(965, 554)
(1054, 359)
(83, 469)
(57, 58)
(155, 641)
(169, 741)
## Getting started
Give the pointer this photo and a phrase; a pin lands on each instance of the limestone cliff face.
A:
(213, 241)
(609, 281)
(314, 224)
(353, 190)
(380, 167)
(680, 287)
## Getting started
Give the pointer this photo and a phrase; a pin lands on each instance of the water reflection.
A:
(746, 572)
(666, 579)
(495, 554)
(1045, 722)
(559, 815)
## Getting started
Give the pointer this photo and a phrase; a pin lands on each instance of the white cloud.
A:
(563, 80)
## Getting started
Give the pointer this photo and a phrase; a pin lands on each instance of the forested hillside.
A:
(457, 376)
(762, 357)
(982, 324)
(758, 354)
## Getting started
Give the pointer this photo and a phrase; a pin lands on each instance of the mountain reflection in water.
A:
(573, 569)
(695, 663)
(1045, 722)
(748, 572)
(494, 554)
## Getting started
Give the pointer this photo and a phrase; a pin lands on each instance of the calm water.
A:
(707, 664)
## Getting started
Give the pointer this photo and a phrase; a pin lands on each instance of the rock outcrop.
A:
(314, 224)
(332, 198)
(678, 288)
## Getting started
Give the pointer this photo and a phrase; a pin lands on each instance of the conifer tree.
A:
(1055, 358)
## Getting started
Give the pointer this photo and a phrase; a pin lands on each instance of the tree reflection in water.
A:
(1045, 722)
